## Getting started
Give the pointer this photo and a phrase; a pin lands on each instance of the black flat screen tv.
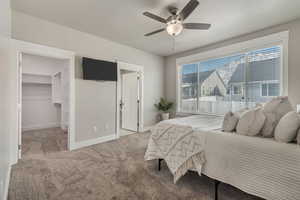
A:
(99, 70)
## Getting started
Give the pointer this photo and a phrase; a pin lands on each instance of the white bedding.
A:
(175, 142)
(198, 122)
(259, 166)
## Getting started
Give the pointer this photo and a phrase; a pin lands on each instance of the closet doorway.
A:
(130, 99)
(44, 104)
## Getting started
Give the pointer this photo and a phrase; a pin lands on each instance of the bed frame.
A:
(216, 182)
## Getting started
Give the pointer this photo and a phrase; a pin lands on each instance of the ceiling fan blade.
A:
(188, 9)
(199, 26)
(154, 32)
(155, 17)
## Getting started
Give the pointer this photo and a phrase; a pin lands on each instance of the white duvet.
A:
(259, 166)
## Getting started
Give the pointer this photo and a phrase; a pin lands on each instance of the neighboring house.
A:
(261, 83)
(210, 84)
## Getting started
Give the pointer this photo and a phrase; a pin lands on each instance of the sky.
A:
(220, 62)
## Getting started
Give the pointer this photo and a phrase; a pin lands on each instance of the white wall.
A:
(4, 96)
(28, 28)
(38, 111)
(40, 65)
(95, 109)
(293, 59)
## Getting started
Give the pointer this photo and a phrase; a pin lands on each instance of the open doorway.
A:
(130, 98)
(44, 104)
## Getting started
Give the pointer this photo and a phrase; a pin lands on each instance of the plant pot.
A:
(165, 116)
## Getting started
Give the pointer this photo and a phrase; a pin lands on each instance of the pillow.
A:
(230, 121)
(251, 122)
(286, 130)
(274, 110)
(239, 113)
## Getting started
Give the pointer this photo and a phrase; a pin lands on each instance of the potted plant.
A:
(164, 106)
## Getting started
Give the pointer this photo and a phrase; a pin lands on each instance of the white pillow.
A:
(239, 113)
(251, 122)
(230, 121)
(274, 110)
(286, 130)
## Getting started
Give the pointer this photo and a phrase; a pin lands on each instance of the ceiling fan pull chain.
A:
(174, 43)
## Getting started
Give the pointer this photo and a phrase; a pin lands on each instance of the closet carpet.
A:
(44, 141)
(110, 171)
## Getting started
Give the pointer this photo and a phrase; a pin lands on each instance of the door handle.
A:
(122, 105)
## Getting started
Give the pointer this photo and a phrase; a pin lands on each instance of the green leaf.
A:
(164, 105)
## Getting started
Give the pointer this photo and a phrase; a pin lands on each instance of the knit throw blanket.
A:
(178, 146)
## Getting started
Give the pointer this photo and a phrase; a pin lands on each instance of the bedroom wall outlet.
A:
(298, 108)
(95, 129)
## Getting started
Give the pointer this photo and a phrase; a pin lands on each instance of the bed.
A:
(259, 166)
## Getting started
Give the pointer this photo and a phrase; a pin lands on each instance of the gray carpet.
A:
(110, 171)
(45, 141)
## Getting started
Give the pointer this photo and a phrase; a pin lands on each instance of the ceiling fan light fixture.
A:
(174, 27)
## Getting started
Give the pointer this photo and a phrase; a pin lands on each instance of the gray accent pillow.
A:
(286, 130)
(274, 110)
(251, 122)
(239, 113)
(230, 121)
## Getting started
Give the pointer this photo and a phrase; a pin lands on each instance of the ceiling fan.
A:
(174, 23)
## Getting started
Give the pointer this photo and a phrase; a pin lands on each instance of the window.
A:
(218, 85)
(270, 89)
(237, 90)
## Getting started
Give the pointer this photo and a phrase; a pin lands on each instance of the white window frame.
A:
(241, 89)
(276, 39)
(266, 82)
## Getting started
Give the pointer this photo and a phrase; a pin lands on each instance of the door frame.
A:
(21, 47)
(140, 70)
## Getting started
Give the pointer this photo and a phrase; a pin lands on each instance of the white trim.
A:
(240, 89)
(276, 39)
(7, 180)
(267, 82)
(41, 126)
(140, 70)
(90, 142)
(20, 47)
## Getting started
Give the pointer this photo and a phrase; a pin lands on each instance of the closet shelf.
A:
(36, 79)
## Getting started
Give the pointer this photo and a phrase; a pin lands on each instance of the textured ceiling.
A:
(122, 20)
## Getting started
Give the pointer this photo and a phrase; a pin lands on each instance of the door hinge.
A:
(19, 147)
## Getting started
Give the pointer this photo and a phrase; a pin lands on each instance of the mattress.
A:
(259, 166)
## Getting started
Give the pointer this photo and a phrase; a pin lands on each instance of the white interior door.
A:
(130, 101)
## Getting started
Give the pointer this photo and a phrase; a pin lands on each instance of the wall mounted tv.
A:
(99, 70)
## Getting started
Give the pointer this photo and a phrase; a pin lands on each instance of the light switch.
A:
(95, 129)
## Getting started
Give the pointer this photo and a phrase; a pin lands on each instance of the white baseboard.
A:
(6, 186)
(42, 126)
(86, 143)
